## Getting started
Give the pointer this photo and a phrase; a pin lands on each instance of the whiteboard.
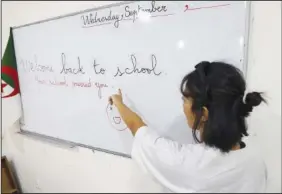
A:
(68, 66)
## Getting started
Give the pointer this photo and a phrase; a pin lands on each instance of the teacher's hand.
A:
(116, 99)
(130, 118)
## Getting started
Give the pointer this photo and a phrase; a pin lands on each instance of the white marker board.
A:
(68, 66)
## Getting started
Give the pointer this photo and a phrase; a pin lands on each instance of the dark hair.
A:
(219, 87)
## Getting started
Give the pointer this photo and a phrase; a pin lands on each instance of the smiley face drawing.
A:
(115, 119)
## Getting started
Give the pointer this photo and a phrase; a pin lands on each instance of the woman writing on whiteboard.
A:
(215, 106)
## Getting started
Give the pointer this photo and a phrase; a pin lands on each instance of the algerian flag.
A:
(10, 91)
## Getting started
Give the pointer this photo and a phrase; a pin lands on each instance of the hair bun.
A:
(254, 99)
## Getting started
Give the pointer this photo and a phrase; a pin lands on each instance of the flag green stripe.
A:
(9, 59)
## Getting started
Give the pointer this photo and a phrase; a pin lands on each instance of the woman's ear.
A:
(205, 115)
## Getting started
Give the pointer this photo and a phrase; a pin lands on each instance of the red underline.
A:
(207, 7)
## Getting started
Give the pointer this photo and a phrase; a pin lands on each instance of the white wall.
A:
(264, 74)
(44, 167)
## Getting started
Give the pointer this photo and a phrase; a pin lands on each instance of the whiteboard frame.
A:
(70, 144)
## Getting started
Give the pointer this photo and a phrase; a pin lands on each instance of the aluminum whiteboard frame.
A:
(70, 144)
